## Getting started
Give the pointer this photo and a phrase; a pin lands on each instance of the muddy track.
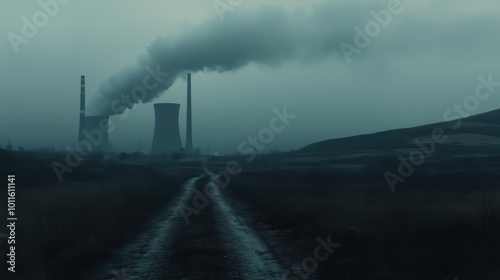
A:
(216, 244)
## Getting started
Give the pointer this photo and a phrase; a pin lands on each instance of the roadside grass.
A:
(431, 229)
(64, 229)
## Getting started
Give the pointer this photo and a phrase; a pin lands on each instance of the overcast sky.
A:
(261, 55)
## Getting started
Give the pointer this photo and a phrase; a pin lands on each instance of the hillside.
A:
(474, 133)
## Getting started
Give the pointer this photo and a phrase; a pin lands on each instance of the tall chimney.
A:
(167, 137)
(189, 127)
(81, 136)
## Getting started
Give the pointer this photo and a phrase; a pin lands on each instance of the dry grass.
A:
(426, 231)
(65, 228)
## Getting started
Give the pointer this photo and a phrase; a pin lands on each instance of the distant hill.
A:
(475, 133)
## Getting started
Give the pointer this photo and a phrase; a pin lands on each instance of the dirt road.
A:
(217, 243)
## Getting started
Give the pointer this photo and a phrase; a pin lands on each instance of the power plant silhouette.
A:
(96, 130)
(93, 130)
(167, 137)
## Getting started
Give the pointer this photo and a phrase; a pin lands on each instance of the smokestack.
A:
(189, 128)
(96, 133)
(82, 111)
(167, 137)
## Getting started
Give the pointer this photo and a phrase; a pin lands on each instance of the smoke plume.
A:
(267, 36)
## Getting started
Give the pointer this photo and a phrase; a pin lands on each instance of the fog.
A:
(256, 57)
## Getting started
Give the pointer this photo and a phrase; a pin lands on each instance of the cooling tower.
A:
(167, 137)
(96, 133)
(189, 127)
(82, 111)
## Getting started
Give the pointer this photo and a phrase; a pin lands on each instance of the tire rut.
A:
(216, 244)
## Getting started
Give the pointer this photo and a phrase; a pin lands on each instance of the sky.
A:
(247, 60)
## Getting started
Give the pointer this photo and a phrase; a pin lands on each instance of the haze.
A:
(427, 59)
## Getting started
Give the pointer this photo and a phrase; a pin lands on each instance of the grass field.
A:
(64, 228)
(435, 226)
(438, 227)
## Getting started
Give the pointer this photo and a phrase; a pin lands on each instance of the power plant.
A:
(96, 133)
(93, 130)
(167, 137)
